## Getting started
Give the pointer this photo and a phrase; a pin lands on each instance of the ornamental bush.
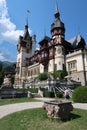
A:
(43, 76)
(59, 94)
(80, 94)
(49, 94)
(33, 90)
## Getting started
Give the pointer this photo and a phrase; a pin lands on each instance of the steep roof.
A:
(45, 39)
(26, 33)
(57, 22)
(77, 42)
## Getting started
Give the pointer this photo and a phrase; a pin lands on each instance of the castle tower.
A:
(58, 38)
(25, 49)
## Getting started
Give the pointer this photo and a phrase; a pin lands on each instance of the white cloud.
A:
(8, 31)
(1, 57)
(3, 9)
(12, 36)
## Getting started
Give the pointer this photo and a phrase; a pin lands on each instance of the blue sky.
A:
(13, 15)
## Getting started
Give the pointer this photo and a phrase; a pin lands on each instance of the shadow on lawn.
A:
(74, 116)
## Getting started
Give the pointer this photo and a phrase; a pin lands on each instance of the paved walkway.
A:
(11, 108)
(75, 105)
(8, 109)
(80, 105)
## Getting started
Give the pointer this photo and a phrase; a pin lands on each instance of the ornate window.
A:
(72, 66)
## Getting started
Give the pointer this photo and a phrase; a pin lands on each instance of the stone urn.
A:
(58, 109)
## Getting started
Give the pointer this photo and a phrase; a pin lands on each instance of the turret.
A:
(57, 27)
(58, 39)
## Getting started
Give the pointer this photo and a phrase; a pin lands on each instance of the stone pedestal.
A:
(58, 109)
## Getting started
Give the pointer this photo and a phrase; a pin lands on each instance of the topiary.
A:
(80, 94)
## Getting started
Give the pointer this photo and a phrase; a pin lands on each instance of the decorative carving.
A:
(59, 50)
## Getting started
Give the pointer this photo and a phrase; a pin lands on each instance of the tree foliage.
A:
(60, 74)
(43, 76)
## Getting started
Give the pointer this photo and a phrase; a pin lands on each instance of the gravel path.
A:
(80, 105)
(8, 109)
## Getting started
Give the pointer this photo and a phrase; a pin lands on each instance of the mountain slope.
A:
(6, 63)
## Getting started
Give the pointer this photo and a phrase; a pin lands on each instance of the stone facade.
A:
(54, 54)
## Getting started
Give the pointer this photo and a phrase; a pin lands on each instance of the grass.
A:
(16, 100)
(36, 119)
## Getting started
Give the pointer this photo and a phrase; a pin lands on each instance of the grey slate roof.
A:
(75, 41)
(46, 38)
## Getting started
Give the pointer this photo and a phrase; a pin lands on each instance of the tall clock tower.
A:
(25, 49)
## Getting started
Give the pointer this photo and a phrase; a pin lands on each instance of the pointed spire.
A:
(26, 26)
(57, 14)
(26, 33)
(56, 6)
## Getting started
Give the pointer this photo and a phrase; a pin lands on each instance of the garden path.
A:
(11, 108)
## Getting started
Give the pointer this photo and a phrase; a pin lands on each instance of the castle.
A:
(54, 53)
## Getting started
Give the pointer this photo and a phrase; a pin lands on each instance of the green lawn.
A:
(36, 119)
(16, 100)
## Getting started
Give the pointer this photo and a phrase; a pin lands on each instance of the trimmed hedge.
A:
(52, 95)
(80, 94)
(59, 94)
(49, 94)
(33, 90)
